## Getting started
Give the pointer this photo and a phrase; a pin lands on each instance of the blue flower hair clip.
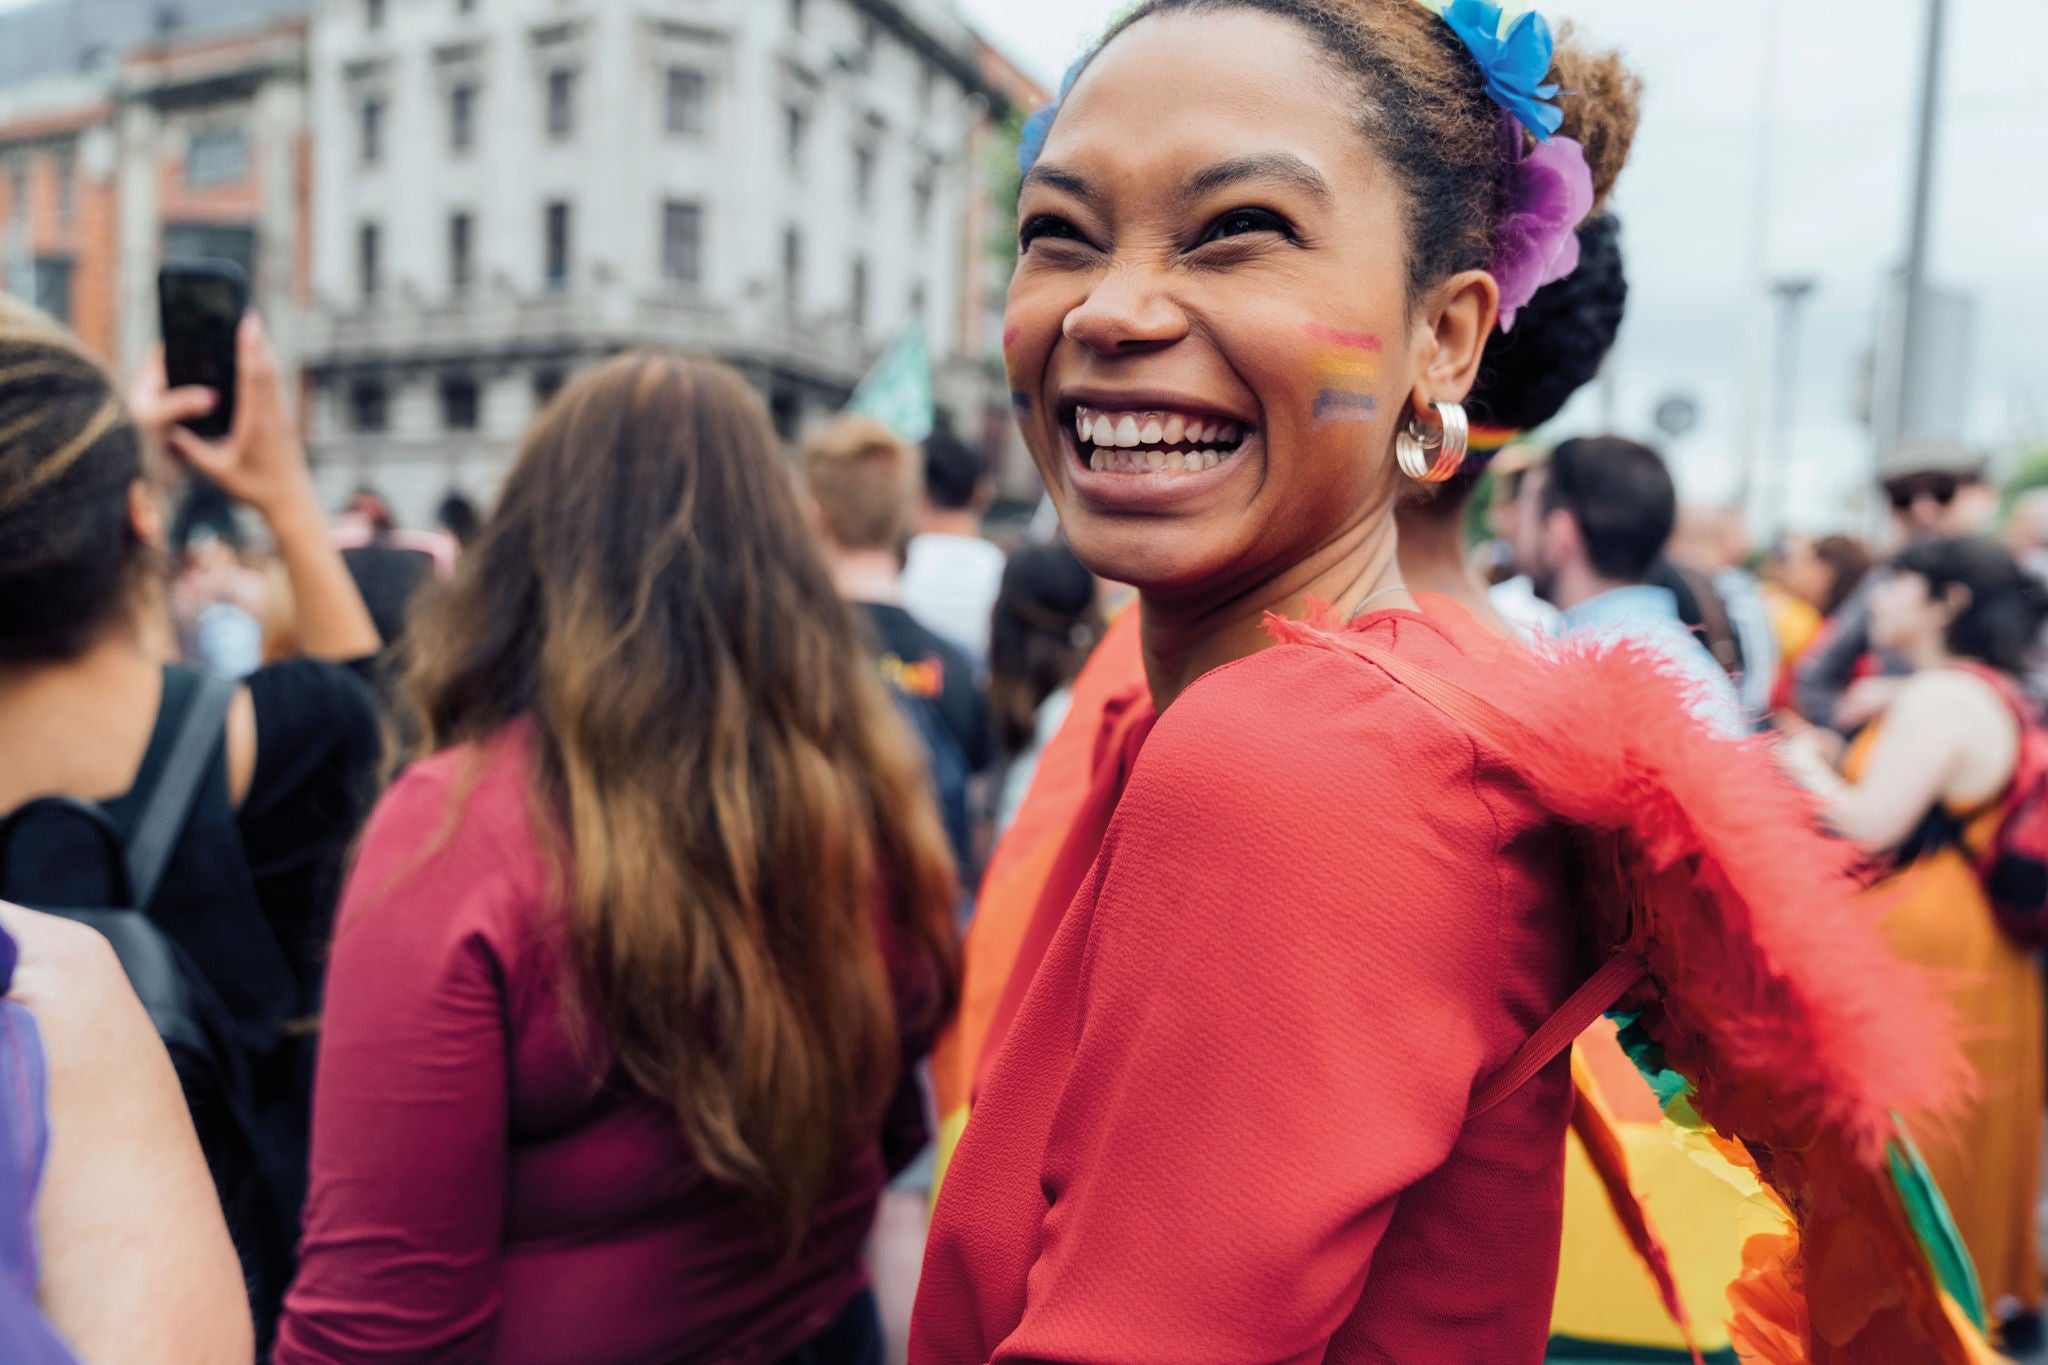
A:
(1513, 56)
(1040, 124)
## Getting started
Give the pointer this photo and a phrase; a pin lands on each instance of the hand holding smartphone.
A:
(201, 303)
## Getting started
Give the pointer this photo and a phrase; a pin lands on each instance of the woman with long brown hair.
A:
(632, 966)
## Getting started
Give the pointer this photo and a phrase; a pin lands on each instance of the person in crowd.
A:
(1046, 620)
(112, 1246)
(1806, 583)
(1712, 543)
(458, 518)
(1244, 297)
(1511, 597)
(1593, 519)
(217, 605)
(633, 966)
(1925, 787)
(1936, 489)
(389, 565)
(89, 705)
(951, 571)
(862, 481)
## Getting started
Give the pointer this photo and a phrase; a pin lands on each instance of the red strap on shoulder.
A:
(1601, 992)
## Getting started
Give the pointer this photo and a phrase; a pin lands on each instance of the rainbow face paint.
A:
(1345, 366)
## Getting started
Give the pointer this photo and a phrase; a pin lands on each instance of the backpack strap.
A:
(169, 803)
(1601, 992)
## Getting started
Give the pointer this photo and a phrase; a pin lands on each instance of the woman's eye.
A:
(1240, 222)
(1046, 225)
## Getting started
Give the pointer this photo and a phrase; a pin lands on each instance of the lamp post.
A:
(1791, 294)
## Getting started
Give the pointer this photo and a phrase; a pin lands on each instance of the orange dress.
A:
(1988, 1163)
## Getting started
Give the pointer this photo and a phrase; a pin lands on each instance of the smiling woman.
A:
(1286, 1083)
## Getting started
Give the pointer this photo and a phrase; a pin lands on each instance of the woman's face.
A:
(1904, 615)
(1208, 333)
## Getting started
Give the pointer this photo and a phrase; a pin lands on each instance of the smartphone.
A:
(200, 303)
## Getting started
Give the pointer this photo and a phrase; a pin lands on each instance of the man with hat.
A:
(1937, 489)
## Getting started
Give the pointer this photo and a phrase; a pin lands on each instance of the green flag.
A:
(897, 392)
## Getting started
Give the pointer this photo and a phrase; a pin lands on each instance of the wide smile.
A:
(1161, 443)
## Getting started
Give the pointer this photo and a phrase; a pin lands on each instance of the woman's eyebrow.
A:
(1259, 166)
(1057, 177)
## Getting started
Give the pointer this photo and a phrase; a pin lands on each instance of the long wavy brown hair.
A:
(733, 792)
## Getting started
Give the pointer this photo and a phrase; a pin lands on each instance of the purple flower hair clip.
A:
(1547, 194)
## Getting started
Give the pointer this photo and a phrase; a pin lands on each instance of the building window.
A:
(863, 175)
(555, 268)
(921, 193)
(368, 405)
(465, 6)
(796, 16)
(546, 384)
(368, 249)
(792, 268)
(796, 124)
(372, 130)
(917, 302)
(462, 118)
(459, 403)
(857, 303)
(67, 187)
(561, 102)
(687, 100)
(217, 156)
(682, 242)
(461, 268)
(373, 14)
(52, 291)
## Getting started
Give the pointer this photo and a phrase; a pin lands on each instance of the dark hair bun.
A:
(1559, 339)
(1601, 100)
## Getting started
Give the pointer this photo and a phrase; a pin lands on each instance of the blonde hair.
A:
(865, 480)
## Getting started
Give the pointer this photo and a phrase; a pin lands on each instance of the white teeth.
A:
(1150, 433)
(1081, 425)
(1229, 433)
(1208, 432)
(1210, 459)
(1099, 461)
(1191, 462)
(1127, 432)
(1176, 427)
(1156, 459)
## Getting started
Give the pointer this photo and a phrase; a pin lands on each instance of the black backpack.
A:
(66, 857)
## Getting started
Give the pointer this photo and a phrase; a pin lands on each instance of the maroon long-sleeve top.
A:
(1229, 1121)
(476, 1195)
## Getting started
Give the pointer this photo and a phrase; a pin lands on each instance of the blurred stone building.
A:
(507, 190)
(448, 206)
(131, 131)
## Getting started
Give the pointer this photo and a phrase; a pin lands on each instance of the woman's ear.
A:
(1957, 598)
(1453, 333)
(146, 514)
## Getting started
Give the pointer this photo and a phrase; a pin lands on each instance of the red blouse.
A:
(475, 1196)
(1228, 1122)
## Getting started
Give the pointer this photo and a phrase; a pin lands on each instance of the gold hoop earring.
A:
(1433, 454)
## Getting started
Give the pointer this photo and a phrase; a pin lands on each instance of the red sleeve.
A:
(1285, 998)
(404, 1217)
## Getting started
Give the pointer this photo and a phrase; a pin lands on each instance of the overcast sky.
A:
(1842, 113)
